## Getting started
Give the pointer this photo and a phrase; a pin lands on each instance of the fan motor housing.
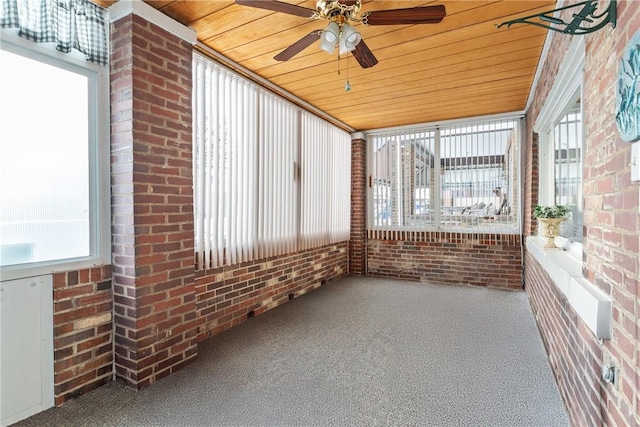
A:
(330, 9)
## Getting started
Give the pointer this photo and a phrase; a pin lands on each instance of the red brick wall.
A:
(493, 260)
(572, 347)
(358, 238)
(228, 296)
(82, 328)
(152, 206)
(611, 239)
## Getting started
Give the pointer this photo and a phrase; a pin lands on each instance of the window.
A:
(53, 179)
(462, 178)
(561, 164)
(559, 127)
(567, 167)
(269, 178)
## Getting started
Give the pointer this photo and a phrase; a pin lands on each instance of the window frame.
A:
(566, 91)
(436, 193)
(98, 139)
(547, 185)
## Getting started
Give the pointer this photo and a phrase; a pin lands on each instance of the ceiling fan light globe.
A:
(327, 47)
(331, 33)
(329, 37)
(353, 39)
(349, 38)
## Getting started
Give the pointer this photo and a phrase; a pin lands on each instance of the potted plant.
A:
(549, 219)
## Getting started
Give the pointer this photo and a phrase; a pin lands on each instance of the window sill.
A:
(591, 304)
(13, 272)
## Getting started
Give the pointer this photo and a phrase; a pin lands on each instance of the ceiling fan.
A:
(339, 32)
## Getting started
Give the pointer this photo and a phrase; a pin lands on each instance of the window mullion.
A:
(437, 180)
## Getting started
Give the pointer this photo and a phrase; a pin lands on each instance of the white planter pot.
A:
(549, 229)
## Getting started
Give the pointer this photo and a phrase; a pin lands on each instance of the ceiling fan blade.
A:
(412, 15)
(363, 55)
(278, 6)
(298, 46)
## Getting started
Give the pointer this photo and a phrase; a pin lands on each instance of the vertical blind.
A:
(278, 150)
(326, 183)
(225, 160)
(340, 225)
(269, 178)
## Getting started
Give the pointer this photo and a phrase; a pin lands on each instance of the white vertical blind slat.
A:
(277, 159)
(237, 175)
(272, 190)
(261, 179)
(231, 188)
(266, 141)
(198, 154)
(244, 173)
(317, 189)
(216, 168)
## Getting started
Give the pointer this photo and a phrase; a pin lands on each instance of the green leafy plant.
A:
(557, 211)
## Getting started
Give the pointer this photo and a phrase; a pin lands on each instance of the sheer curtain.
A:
(71, 24)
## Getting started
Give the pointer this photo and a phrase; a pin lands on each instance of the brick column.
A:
(358, 238)
(152, 205)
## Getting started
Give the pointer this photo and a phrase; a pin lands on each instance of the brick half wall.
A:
(491, 260)
(230, 295)
(82, 331)
(575, 354)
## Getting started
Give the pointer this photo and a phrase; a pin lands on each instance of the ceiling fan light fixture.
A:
(340, 12)
(329, 38)
(349, 38)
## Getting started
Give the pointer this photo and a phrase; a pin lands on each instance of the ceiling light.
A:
(329, 38)
(349, 38)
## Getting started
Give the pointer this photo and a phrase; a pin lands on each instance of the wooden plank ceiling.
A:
(461, 67)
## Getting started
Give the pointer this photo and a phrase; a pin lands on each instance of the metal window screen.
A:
(403, 180)
(459, 178)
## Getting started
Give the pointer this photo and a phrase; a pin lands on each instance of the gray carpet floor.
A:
(356, 352)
